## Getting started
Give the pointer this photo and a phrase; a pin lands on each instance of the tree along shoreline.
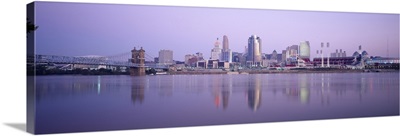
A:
(103, 71)
(78, 71)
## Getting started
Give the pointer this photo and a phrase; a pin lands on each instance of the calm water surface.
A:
(91, 103)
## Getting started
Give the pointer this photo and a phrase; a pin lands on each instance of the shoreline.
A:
(244, 72)
(278, 71)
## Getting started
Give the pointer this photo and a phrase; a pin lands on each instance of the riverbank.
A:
(279, 71)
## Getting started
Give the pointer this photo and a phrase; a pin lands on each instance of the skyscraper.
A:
(225, 42)
(254, 50)
(226, 52)
(284, 56)
(292, 51)
(274, 55)
(216, 51)
(165, 57)
(304, 49)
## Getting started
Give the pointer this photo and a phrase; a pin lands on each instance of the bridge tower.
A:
(138, 58)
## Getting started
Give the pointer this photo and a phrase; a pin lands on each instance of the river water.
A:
(93, 103)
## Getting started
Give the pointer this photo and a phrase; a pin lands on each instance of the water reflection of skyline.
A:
(52, 87)
(221, 90)
(155, 101)
(299, 91)
(304, 89)
(137, 89)
(216, 87)
(254, 92)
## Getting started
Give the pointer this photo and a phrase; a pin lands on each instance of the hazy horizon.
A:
(76, 29)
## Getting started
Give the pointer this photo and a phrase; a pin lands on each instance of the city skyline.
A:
(99, 31)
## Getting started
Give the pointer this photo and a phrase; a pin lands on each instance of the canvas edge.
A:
(31, 74)
(213, 7)
(31, 106)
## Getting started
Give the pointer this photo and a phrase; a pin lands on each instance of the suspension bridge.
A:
(119, 60)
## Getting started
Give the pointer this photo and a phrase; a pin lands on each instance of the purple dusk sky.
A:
(76, 29)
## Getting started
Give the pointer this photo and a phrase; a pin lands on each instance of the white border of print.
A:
(13, 88)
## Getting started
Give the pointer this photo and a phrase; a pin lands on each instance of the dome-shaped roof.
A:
(355, 54)
(364, 53)
(217, 43)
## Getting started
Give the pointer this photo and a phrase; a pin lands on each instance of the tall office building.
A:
(304, 49)
(192, 59)
(225, 42)
(254, 49)
(165, 57)
(226, 52)
(216, 51)
(274, 55)
(188, 57)
(292, 51)
(287, 53)
(283, 56)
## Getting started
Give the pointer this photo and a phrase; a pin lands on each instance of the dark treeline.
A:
(78, 71)
(30, 27)
(42, 70)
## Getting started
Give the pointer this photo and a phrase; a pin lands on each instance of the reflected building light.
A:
(371, 85)
(158, 82)
(98, 84)
(137, 89)
(216, 91)
(304, 90)
(226, 91)
(173, 82)
(322, 83)
(148, 83)
(230, 84)
(329, 83)
(304, 95)
(363, 84)
(254, 93)
(254, 99)
(216, 100)
(325, 100)
(225, 99)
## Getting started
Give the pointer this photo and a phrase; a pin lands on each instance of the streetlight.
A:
(327, 46)
(322, 55)
(322, 58)
(317, 53)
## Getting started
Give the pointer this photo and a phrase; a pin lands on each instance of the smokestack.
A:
(327, 45)
(322, 45)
